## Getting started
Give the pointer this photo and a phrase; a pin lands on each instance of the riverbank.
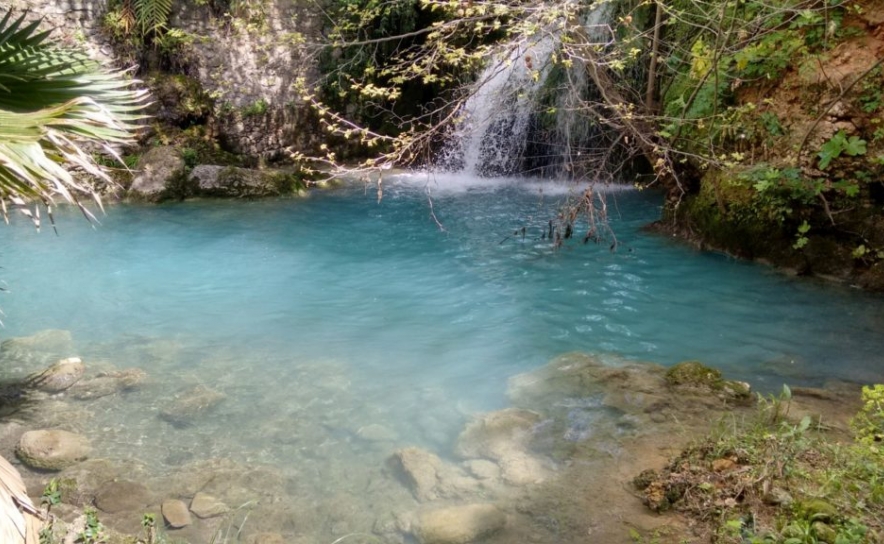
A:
(556, 465)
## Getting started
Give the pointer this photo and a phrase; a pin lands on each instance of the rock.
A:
(483, 469)
(191, 404)
(522, 469)
(376, 433)
(777, 497)
(824, 532)
(175, 513)
(52, 449)
(122, 496)
(497, 434)
(418, 469)
(59, 376)
(429, 477)
(207, 506)
(108, 383)
(459, 524)
(52, 341)
(160, 170)
(230, 181)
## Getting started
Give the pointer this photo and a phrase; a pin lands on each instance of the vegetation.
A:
(56, 105)
(771, 479)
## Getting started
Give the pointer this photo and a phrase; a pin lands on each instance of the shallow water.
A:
(328, 319)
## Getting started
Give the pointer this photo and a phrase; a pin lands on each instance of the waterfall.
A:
(492, 133)
(498, 121)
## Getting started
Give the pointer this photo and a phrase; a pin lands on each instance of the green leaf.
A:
(855, 146)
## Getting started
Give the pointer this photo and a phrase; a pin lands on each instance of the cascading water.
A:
(491, 137)
(499, 122)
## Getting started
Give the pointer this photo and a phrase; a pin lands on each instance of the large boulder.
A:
(459, 524)
(52, 449)
(159, 177)
(59, 376)
(230, 181)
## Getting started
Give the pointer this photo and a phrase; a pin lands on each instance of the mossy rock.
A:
(694, 374)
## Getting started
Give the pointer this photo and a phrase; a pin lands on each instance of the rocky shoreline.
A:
(552, 467)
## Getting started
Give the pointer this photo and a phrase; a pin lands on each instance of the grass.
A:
(769, 480)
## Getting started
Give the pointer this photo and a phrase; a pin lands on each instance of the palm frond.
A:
(54, 105)
(19, 519)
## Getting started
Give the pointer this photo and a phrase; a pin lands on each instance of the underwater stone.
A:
(59, 376)
(207, 506)
(459, 524)
(122, 496)
(52, 449)
(175, 513)
(191, 404)
(497, 434)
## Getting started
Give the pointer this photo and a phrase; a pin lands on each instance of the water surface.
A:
(319, 317)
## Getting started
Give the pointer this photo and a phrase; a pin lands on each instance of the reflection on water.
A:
(316, 337)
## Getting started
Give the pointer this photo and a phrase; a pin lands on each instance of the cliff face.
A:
(234, 72)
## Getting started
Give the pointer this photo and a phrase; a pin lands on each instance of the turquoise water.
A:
(342, 276)
(349, 312)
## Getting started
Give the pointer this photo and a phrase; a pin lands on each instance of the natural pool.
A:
(339, 328)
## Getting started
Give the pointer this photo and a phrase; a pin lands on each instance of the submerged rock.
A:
(108, 383)
(52, 449)
(59, 376)
(176, 514)
(459, 524)
(122, 496)
(49, 341)
(429, 477)
(497, 434)
(207, 506)
(190, 404)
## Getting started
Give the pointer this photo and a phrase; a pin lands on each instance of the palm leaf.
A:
(19, 521)
(54, 105)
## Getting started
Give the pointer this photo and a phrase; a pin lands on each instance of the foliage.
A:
(770, 480)
(259, 107)
(54, 104)
(869, 422)
(838, 144)
(93, 532)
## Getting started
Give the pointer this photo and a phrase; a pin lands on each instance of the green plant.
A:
(51, 494)
(54, 103)
(93, 532)
(259, 107)
(868, 424)
(838, 144)
(801, 238)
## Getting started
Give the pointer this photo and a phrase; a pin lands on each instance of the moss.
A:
(694, 374)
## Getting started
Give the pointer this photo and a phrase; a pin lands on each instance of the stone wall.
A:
(248, 63)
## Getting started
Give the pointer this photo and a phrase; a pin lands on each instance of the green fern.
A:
(152, 15)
